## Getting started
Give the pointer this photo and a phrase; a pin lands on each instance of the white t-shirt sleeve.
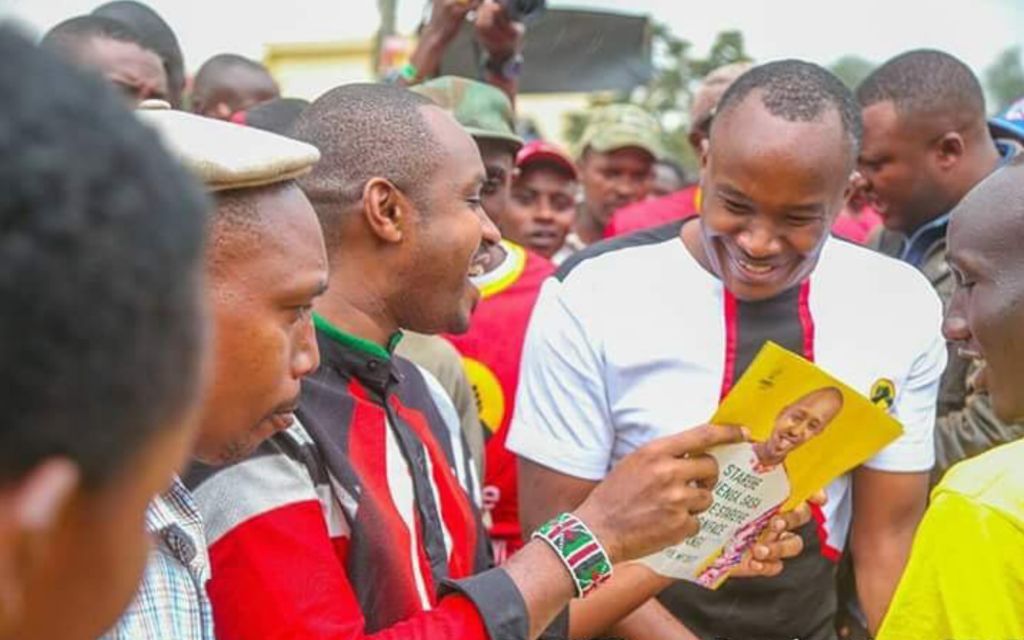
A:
(561, 419)
(915, 405)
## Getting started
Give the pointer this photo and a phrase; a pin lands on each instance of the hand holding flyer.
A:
(807, 429)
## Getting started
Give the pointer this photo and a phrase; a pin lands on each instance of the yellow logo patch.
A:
(490, 397)
(883, 393)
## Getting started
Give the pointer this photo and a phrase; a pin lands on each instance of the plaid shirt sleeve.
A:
(171, 601)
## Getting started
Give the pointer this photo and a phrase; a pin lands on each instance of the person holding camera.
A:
(499, 30)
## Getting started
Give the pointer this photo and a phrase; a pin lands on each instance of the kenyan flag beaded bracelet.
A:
(579, 550)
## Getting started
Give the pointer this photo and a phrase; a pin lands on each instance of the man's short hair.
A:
(798, 91)
(925, 81)
(211, 74)
(277, 116)
(158, 35)
(100, 272)
(67, 37)
(365, 131)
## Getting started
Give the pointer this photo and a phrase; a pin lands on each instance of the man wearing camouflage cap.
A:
(265, 264)
(616, 161)
(685, 202)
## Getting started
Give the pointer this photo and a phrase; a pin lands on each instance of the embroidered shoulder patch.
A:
(883, 393)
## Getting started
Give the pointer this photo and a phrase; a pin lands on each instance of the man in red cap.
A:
(543, 205)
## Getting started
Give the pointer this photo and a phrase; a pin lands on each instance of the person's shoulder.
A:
(852, 253)
(640, 250)
(995, 479)
(864, 274)
(537, 267)
(430, 352)
(654, 212)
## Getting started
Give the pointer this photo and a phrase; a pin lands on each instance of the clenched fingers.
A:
(767, 558)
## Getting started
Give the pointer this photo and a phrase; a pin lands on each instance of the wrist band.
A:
(409, 72)
(579, 550)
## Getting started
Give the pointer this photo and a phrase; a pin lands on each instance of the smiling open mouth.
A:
(968, 353)
(757, 269)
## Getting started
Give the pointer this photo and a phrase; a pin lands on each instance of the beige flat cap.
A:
(227, 155)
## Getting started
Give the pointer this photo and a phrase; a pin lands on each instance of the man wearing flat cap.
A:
(265, 265)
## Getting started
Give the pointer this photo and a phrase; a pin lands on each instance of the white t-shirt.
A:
(630, 345)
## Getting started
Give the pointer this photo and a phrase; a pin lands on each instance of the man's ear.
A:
(705, 152)
(386, 209)
(696, 140)
(30, 509)
(949, 150)
(855, 181)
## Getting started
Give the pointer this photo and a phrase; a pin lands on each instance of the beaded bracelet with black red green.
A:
(579, 550)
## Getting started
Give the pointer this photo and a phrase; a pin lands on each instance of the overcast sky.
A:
(818, 30)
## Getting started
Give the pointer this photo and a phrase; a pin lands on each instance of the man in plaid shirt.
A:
(172, 600)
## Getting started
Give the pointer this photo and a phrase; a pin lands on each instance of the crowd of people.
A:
(375, 365)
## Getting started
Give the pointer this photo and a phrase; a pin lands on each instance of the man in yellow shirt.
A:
(965, 577)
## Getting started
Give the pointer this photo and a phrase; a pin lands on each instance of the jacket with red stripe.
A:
(358, 520)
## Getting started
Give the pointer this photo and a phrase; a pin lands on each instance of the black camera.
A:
(521, 10)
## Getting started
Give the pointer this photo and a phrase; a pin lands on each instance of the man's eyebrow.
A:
(807, 208)
(313, 289)
(732, 192)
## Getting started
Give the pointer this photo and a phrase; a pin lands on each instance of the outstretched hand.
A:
(651, 498)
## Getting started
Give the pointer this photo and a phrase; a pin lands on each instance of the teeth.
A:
(755, 268)
(970, 354)
(476, 270)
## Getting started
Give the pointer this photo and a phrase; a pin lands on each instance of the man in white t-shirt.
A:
(643, 336)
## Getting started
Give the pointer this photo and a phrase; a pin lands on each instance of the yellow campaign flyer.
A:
(807, 429)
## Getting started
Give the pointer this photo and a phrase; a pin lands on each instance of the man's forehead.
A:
(750, 131)
(109, 50)
(621, 155)
(244, 79)
(269, 225)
